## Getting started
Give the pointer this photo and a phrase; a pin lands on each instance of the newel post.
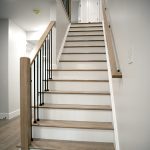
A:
(25, 103)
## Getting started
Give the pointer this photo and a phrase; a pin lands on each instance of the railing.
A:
(113, 57)
(34, 77)
(67, 6)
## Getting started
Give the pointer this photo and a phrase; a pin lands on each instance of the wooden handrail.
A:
(41, 40)
(111, 50)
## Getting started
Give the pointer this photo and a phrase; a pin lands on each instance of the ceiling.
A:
(21, 12)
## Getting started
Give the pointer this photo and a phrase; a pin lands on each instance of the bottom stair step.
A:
(75, 124)
(43, 144)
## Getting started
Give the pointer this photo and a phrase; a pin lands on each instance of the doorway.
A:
(90, 11)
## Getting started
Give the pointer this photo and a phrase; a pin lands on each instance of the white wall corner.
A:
(62, 44)
(117, 146)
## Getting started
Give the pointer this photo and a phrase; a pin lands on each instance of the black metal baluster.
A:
(34, 95)
(40, 78)
(51, 69)
(43, 82)
(49, 56)
(45, 65)
(37, 88)
(47, 61)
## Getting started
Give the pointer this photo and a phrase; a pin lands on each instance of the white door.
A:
(93, 11)
(90, 11)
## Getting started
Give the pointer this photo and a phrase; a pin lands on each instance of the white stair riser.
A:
(83, 57)
(76, 115)
(73, 134)
(77, 99)
(82, 65)
(91, 43)
(86, 29)
(97, 75)
(86, 33)
(79, 86)
(86, 38)
(84, 49)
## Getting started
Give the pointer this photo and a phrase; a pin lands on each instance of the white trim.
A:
(117, 146)
(62, 44)
(14, 114)
(10, 115)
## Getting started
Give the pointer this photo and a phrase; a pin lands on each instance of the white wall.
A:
(130, 21)
(62, 24)
(13, 46)
(17, 48)
(3, 67)
(74, 10)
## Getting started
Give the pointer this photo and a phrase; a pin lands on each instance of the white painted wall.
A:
(130, 22)
(3, 67)
(16, 49)
(62, 24)
(13, 46)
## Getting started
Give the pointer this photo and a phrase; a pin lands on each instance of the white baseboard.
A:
(10, 115)
(62, 45)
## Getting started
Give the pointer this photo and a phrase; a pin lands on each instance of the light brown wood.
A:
(75, 124)
(91, 23)
(85, 26)
(80, 70)
(80, 46)
(25, 102)
(42, 39)
(111, 51)
(86, 31)
(84, 35)
(84, 40)
(78, 92)
(9, 134)
(82, 61)
(70, 145)
(83, 53)
(76, 106)
(77, 80)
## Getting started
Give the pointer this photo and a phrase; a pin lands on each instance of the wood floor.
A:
(9, 134)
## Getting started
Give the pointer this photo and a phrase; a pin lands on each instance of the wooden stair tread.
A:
(90, 23)
(80, 46)
(95, 26)
(86, 30)
(82, 61)
(84, 40)
(80, 70)
(76, 80)
(75, 124)
(78, 92)
(69, 145)
(77, 106)
(83, 53)
(85, 35)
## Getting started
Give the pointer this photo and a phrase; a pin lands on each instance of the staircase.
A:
(77, 113)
